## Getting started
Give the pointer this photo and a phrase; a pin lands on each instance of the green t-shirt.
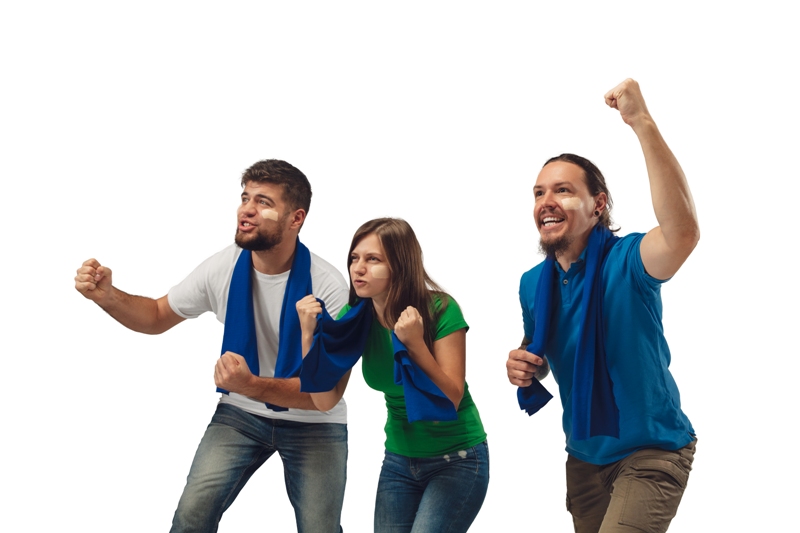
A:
(422, 438)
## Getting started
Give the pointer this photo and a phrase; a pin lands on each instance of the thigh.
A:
(231, 449)
(647, 490)
(454, 492)
(587, 495)
(315, 470)
(399, 495)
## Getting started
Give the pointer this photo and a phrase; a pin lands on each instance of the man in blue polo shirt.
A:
(592, 313)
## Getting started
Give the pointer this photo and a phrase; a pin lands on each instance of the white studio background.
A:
(125, 129)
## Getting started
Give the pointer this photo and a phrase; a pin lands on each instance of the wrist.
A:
(643, 124)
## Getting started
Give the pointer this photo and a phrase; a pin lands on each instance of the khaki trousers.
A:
(638, 493)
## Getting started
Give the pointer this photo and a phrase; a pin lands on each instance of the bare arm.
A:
(665, 248)
(447, 365)
(232, 374)
(522, 366)
(138, 313)
(307, 309)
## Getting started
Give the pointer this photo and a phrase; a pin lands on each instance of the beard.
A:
(556, 246)
(261, 242)
(258, 242)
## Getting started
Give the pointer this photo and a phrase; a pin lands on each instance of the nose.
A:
(359, 267)
(248, 207)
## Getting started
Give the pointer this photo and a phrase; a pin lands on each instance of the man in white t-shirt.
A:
(244, 431)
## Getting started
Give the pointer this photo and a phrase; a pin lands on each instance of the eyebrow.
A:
(259, 195)
(558, 184)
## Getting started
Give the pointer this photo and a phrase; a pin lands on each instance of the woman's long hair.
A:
(409, 283)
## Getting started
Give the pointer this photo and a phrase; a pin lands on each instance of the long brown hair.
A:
(410, 284)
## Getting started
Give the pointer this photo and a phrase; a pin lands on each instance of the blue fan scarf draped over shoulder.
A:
(240, 326)
(337, 346)
(594, 411)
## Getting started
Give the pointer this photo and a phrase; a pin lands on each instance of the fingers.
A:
(524, 356)
(308, 305)
(522, 367)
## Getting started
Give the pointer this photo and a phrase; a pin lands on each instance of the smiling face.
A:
(262, 217)
(564, 208)
(370, 274)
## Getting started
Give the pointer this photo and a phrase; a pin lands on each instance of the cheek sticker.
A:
(270, 214)
(572, 203)
(380, 272)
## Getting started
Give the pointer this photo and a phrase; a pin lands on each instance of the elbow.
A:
(457, 396)
(323, 404)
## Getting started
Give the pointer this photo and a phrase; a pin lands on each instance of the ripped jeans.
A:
(431, 494)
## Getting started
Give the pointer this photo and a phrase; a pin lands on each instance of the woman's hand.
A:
(409, 328)
(307, 310)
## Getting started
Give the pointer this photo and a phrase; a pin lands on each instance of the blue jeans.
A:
(431, 494)
(236, 443)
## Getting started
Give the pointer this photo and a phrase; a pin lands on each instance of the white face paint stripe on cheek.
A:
(380, 272)
(572, 203)
(270, 214)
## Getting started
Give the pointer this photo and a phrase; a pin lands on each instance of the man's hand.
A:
(523, 367)
(628, 100)
(93, 281)
(232, 373)
(409, 327)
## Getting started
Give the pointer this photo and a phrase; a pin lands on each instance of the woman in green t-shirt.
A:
(435, 473)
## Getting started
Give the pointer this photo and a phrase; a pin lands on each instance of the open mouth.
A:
(551, 221)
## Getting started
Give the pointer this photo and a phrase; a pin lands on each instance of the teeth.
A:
(550, 221)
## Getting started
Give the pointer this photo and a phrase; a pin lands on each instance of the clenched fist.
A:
(409, 327)
(93, 281)
(628, 100)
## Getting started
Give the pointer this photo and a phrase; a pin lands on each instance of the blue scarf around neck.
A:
(240, 327)
(337, 346)
(594, 410)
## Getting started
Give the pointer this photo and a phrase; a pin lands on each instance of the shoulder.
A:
(530, 279)
(222, 260)
(328, 284)
(449, 317)
(625, 254)
(324, 270)
(625, 261)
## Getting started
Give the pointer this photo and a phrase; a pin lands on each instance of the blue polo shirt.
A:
(637, 353)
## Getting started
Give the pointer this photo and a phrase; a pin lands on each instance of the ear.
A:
(600, 202)
(298, 217)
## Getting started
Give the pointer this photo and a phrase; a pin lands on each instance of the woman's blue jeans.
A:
(431, 494)
(236, 443)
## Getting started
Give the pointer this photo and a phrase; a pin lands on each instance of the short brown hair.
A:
(295, 185)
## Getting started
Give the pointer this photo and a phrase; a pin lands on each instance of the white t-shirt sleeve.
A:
(329, 285)
(206, 288)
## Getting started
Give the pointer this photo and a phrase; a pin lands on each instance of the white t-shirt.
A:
(206, 289)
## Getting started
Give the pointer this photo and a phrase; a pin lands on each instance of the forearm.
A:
(672, 199)
(139, 313)
(278, 391)
(325, 401)
(453, 388)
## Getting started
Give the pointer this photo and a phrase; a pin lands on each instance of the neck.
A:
(278, 259)
(379, 305)
(573, 253)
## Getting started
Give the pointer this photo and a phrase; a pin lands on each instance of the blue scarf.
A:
(594, 410)
(240, 328)
(337, 346)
